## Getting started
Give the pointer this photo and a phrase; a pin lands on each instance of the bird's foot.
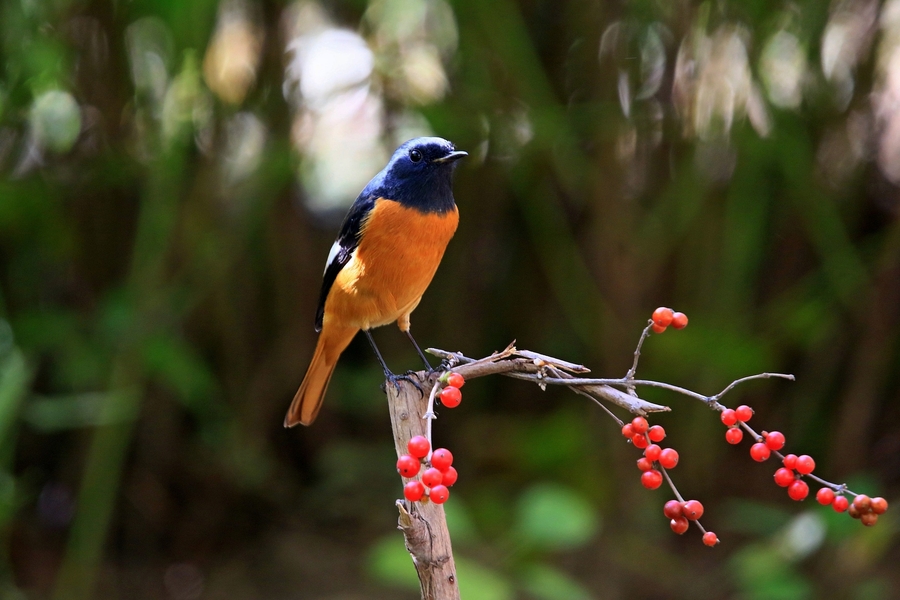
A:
(396, 379)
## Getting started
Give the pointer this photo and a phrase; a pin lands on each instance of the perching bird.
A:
(385, 255)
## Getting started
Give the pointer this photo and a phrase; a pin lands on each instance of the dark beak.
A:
(455, 155)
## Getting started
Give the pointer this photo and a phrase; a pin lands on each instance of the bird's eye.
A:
(415, 155)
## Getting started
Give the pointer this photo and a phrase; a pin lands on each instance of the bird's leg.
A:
(388, 375)
(428, 367)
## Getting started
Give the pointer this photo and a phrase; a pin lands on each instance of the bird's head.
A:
(422, 155)
(420, 173)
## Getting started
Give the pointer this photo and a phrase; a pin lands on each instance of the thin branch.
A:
(637, 351)
(734, 383)
(531, 366)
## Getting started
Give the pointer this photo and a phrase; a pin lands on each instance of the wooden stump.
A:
(423, 523)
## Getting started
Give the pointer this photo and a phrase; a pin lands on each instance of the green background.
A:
(163, 231)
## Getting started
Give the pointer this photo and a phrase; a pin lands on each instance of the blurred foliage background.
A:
(172, 175)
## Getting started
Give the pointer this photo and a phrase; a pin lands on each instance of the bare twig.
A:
(531, 366)
(734, 383)
(637, 351)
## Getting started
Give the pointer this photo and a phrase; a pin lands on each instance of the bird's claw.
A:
(395, 379)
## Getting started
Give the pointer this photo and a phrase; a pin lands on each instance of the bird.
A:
(386, 253)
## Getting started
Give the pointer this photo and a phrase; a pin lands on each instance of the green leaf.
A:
(459, 522)
(177, 365)
(477, 582)
(763, 574)
(555, 517)
(389, 563)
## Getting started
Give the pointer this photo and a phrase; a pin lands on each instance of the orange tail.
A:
(308, 399)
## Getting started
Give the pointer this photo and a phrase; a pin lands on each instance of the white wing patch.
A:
(335, 248)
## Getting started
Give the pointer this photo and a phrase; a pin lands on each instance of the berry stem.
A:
(671, 484)
(429, 414)
(678, 495)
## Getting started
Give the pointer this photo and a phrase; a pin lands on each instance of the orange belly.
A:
(399, 251)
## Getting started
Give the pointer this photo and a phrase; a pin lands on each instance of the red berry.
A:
(743, 413)
(418, 446)
(407, 465)
(439, 494)
(651, 479)
(853, 512)
(441, 459)
(790, 461)
(451, 396)
(644, 464)
(868, 519)
(805, 464)
(640, 441)
(734, 435)
(729, 417)
(450, 477)
(679, 525)
(652, 452)
(692, 509)
(879, 505)
(656, 433)
(627, 431)
(775, 440)
(413, 491)
(760, 452)
(456, 380)
(639, 425)
(862, 503)
(784, 477)
(662, 316)
(672, 509)
(710, 539)
(825, 496)
(432, 477)
(840, 504)
(798, 490)
(679, 320)
(668, 458)
(658, 328)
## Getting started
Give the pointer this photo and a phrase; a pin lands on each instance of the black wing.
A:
(347, 241)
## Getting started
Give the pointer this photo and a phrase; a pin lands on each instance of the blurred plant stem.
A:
(15, 381)
(147, 293)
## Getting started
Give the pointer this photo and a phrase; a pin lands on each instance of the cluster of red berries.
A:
(645, 437)
(663, 317)
(795, 467)
(682, 513)
(437, 477)
(450, 394)
(732, 418)
(863, 508)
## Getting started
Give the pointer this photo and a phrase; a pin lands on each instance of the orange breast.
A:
(399, 251)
